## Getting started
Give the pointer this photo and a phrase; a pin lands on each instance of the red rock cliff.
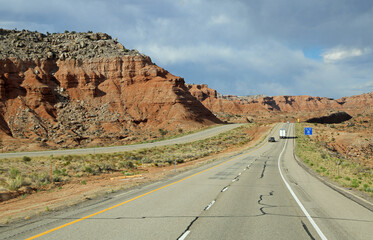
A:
(68, 101)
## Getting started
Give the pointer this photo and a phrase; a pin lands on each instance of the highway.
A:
(260, 193)
(200, 135)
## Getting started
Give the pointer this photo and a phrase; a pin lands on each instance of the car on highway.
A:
(271, 139)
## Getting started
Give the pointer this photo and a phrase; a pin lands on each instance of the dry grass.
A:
(319, 158)
(36, 172)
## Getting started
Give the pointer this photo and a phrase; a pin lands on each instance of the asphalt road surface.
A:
(210, 132)
(260, 193)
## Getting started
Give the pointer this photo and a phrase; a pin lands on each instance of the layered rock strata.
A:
(64, 90)
(303, 107)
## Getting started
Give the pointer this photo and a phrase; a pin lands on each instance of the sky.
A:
(238, 47)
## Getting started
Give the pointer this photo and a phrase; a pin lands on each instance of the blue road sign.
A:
(307, 131)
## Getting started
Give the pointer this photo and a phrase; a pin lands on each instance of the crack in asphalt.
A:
(264, 168)
(263, 204)
(187, 229)
(235, 179)
(307, 231)
(225, 216)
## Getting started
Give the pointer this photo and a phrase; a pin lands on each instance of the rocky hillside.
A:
(77, 89)
(278, 107)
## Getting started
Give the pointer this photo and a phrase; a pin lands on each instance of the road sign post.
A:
(339, 163)
(308, 131)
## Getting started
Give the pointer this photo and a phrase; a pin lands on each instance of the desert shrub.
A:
(63, 172)
(105, 167)
(56, 178)
(88, 169)
(57, 172)
(14, 173)
(147, 160)
(15, 183)
(354, 183)
(39, 179)
(26, 159)
(162, 132)
(127, 164)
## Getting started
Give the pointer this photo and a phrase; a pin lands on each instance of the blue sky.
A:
(272, 47)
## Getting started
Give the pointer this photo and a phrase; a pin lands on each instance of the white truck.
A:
(282, 133)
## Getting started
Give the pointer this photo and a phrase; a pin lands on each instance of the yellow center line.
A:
(132, 199)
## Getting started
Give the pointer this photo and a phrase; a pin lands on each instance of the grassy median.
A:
(36, 172)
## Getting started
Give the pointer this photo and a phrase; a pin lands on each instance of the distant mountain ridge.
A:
(293, 105)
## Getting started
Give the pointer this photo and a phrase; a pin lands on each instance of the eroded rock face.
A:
(248, 104)
(70, 101)
(358, 104)
(302, 107)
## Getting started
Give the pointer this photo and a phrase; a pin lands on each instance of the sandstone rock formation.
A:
(358, 104)
(65, 90)
(275, 108)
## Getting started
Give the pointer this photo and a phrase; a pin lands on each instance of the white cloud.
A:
(239, 47)
(341, 53)
(202, 53)
(364, 87)
(275, 87)
(220, 19)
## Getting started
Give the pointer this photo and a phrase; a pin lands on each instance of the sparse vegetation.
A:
(163, 132)
(26, 159)
(36, 173)
(351, 173)
(15, 183)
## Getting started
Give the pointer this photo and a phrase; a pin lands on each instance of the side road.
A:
(210, 132)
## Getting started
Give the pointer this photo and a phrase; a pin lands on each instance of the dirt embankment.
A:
(351, 140)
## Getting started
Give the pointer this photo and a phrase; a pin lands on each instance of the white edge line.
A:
(318, 230)
(184, 235)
